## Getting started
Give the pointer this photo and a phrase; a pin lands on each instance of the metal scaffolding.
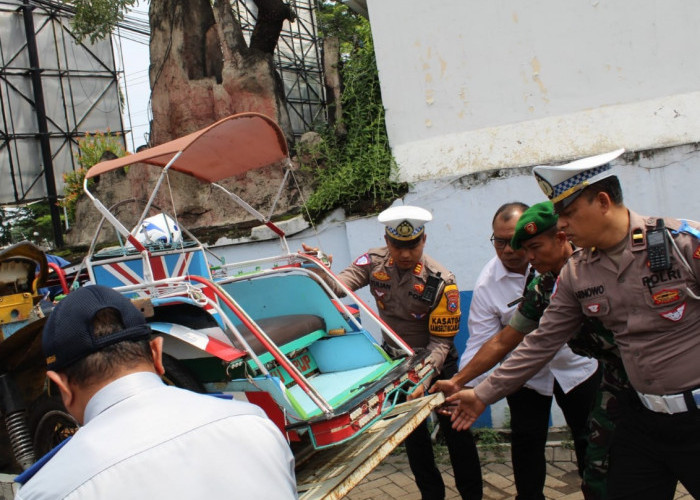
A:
(53, 90)
(299, 61)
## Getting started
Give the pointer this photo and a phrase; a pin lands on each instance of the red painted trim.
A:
(137, 244)
(61, 276)
(118, 267)
(274, 228)
(271, 408)
(283, 361)
(360, 301)
(158, 267)
(224, 351)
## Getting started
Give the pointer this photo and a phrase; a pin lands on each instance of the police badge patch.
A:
(362, 260)
(530, 228)
(452, 300)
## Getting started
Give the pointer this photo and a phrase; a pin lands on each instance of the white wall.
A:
(471, 85)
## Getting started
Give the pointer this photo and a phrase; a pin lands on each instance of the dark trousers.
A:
(464, 456)
(651, 451)
(529, 414)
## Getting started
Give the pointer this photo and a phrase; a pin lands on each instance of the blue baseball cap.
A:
(68, 334)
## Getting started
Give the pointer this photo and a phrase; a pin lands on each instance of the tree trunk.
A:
(202, 70)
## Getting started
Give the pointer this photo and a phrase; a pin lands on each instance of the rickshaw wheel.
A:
(50, 423)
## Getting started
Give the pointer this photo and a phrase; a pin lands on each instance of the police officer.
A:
(398, 275)
(640, 277)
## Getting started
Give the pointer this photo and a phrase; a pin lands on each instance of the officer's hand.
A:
(418, 392)
(316, 252)
(468, 409)
(447, 387)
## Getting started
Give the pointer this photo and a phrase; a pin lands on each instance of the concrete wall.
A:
(471, 85)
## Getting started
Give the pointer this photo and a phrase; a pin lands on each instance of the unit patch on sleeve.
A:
(452, 300)
(696, 253)
(362, 260)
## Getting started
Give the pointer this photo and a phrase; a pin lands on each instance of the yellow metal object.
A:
(331, 473)
(16, 307)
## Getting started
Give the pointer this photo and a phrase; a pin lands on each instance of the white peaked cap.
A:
(563, 183)
(405, 222)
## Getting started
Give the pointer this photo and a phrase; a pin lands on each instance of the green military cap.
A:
(535, 220)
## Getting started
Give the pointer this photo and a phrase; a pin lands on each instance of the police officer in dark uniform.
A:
(640, 276)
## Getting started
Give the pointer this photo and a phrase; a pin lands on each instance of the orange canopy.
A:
(229, 147)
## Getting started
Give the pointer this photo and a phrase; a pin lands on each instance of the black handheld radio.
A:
(432, 285)
(658, 248)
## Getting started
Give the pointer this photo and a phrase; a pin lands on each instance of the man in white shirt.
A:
(573, 379)
(140, 438)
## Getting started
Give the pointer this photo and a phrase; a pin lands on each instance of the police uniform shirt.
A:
(143, 439)
(654, 320)
(495, 288)
(398, 297)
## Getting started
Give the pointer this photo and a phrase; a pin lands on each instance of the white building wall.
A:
(471, 85)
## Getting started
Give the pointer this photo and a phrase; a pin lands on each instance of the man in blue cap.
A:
(140, 438)
(639, 276)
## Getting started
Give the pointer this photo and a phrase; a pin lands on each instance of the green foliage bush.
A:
(355, 171)
(92, 148)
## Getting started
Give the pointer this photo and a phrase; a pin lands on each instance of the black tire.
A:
(178, 375)
(50, 423)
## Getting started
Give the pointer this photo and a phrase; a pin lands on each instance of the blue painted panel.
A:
(465, 300)
(282, 295)
(345, 352)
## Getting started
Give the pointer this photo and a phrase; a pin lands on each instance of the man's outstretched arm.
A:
(493, 351)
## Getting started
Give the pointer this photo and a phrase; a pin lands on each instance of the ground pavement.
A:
(393, 479)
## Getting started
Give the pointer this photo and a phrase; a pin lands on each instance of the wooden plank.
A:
(330, 474)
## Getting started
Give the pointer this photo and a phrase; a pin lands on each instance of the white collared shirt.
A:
(143, 439)
(495, 288)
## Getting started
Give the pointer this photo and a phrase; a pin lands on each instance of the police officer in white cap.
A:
(399, 276)
(640, 276)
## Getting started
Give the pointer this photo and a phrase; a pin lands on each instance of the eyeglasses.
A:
(499, 243)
